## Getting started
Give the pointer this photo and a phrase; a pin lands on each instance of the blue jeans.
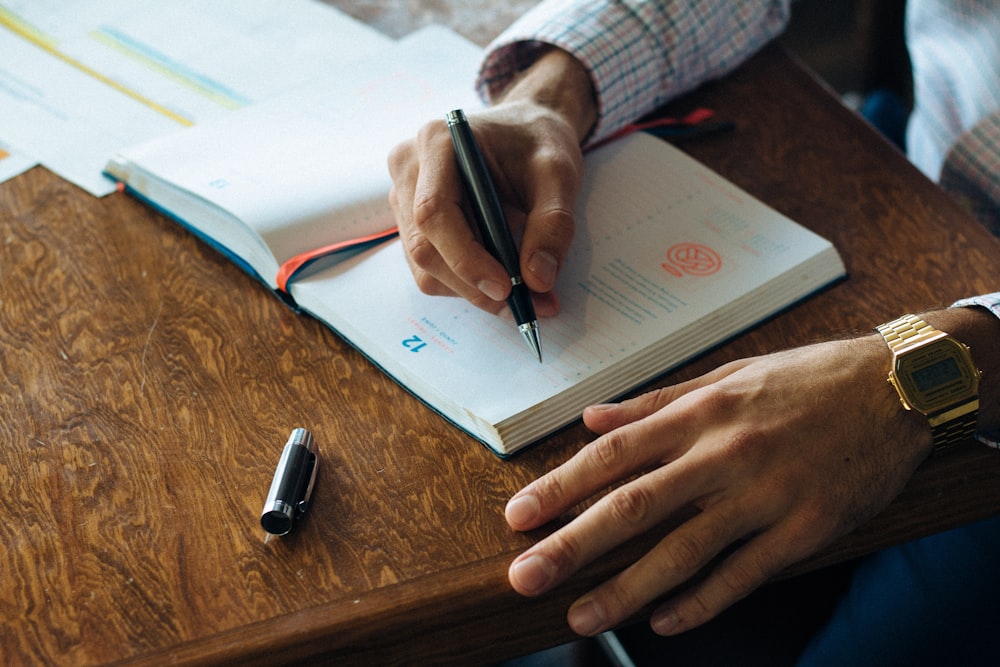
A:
(933, 601)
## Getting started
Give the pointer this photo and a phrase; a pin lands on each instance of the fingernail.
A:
(543, 265)
(664, 622)
(586, 618)
(492, 289)
(522, 510)
(602, 407)
(532, 574)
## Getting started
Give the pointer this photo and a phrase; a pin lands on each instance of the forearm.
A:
(639, 54)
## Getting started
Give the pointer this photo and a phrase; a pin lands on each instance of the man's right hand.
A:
(530, 140)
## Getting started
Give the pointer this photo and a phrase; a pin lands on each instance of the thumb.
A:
(552, 182)
(548, 232)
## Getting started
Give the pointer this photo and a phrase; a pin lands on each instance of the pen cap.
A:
(292, 484)
(277, 518)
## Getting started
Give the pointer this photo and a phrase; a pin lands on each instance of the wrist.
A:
(980, 330)
(910, 430)
(560, 83)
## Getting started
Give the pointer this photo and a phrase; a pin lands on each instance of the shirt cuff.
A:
(639, 54)
(611, 42)
(990, 302)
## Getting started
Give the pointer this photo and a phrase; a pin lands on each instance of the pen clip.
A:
(303, 504)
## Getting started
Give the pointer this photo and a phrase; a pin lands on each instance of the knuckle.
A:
(685, 554)
(466, 266)
(619, 600)
(740, 578)
(610, 452)
(421, 251)
(550, 156)
(563, 550)
(697, 609)
(429, 285)
(717, 399)
(429, 131)
(399, 157)
(630, 505)
(550, 490)
(558, 222)
(427, 206)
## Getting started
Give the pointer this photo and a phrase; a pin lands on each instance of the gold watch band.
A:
(951, 426)
(906, 332)
(954, 431)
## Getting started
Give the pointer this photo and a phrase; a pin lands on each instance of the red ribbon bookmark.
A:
(697, 116)
(299, 262)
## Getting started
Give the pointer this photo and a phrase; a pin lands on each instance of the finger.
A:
(439, 217)
(437, 220)
(753, 564)
(437, 240)
(608, 459)
(404, 168)
(622, 514)
(675, 560)
(645, 432)
(609, 416)
(549, 227)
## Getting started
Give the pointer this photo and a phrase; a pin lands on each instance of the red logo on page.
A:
(693, 259)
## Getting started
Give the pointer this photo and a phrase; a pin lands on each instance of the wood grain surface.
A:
(149, 386)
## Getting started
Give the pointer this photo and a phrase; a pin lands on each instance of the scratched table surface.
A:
(149, 385)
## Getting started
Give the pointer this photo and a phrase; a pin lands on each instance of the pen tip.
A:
(530, 333)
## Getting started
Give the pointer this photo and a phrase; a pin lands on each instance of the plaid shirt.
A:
(954, 131)
(642, 54)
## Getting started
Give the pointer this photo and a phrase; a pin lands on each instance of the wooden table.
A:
(149, 386)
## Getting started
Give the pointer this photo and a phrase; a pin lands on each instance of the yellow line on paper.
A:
(21, 28)
(222, 100)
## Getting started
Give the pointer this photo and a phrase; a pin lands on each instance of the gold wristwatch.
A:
(934, 375)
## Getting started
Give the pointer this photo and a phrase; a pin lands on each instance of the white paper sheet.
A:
(80, 79)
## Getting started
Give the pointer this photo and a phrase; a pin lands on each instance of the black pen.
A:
(493, 225)
(292, 485)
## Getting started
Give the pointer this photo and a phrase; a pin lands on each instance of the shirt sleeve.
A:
(990, 302)
(639, 54)
(971, 171)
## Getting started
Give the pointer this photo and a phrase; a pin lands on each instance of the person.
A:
(751, 444)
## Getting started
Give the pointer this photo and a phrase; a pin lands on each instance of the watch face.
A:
(936, 376)
(939, 374)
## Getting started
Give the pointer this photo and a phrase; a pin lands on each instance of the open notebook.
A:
(668, 260)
